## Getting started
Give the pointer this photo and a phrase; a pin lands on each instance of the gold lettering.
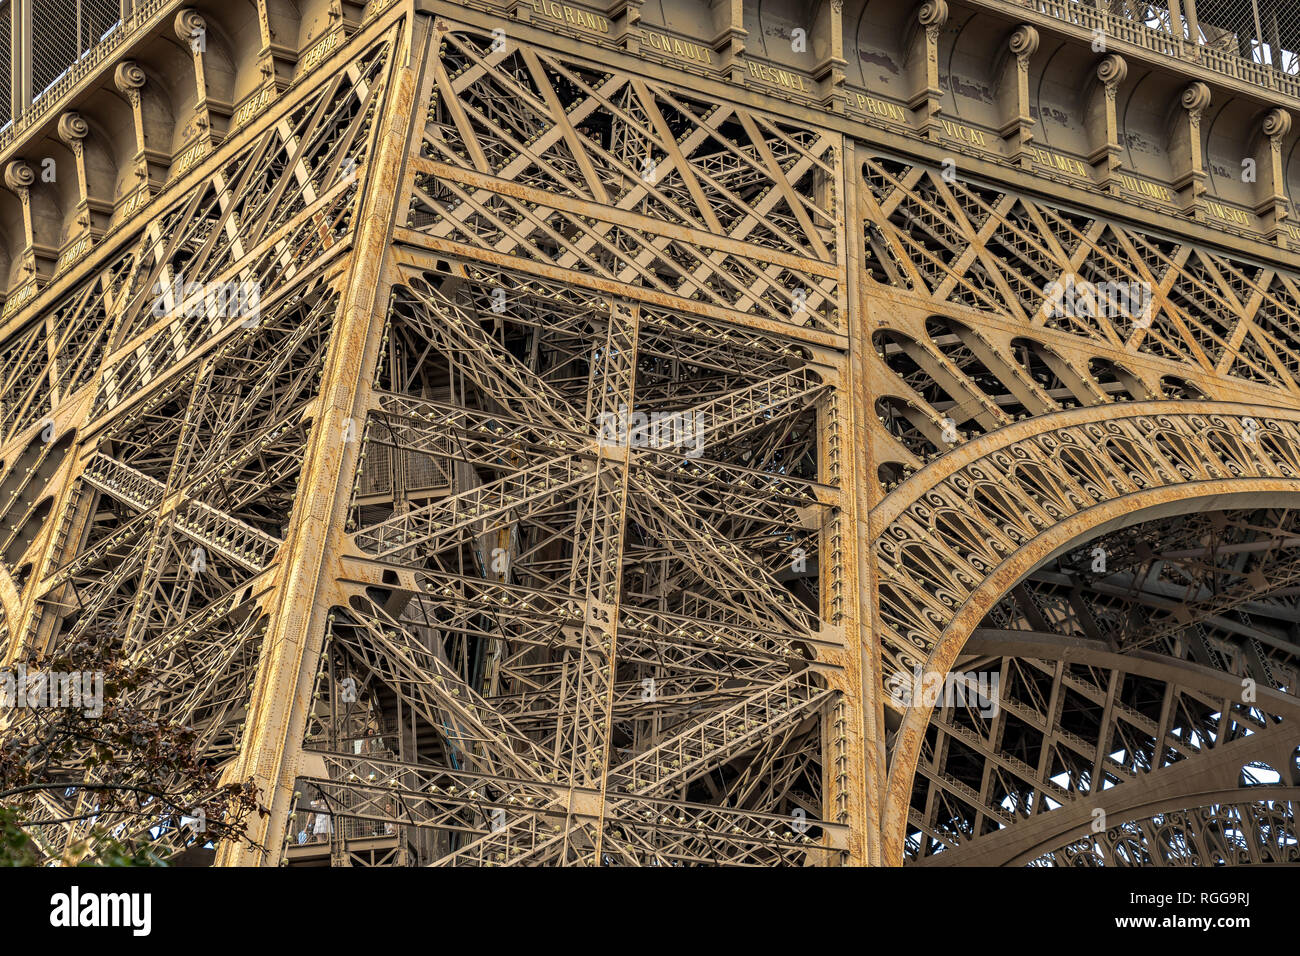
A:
(571, 15)
(75, 252)
(191, 156)
(1154, 190)
(1068, 165)
(676, 48)
(138, 199)
(778, 77)
(251, 108)
(317, 53)
(1227, 213)
(964, 133)
(870, 104)
(1064, 164)
(19, 299)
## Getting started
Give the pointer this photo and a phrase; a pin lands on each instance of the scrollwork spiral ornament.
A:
(73, 128)
(1024, 41)
(933, 13)
(128, 76)
(1112, 70)
(1196, 97)
(189, 26)
(19, 176)
(1277, 124)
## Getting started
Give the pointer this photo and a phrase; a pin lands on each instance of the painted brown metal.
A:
(415, 565)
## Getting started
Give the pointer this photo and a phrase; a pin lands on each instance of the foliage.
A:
(119, 778)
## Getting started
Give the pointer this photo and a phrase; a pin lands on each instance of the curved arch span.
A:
(959, 534)
(1198, 816)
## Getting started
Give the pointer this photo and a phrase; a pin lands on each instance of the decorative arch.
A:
(1056, 802)
(1096, 470)
(1233, 827)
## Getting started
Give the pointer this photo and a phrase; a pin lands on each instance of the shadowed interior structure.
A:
(533, 433)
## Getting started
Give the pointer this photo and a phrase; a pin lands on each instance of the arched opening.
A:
(1150, 660)
(992, 402)
(911, 425)
(1177, 389)
(890, 472)
(1045, 367)
(921, 370)
(1117, 382)
(1045, 491)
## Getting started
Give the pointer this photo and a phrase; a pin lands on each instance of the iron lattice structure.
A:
(610, 446)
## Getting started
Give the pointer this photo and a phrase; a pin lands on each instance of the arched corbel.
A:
(1013, 94)
(1102, 123)
(211, 116)
(923, 66)
(1185, 150)
(72, 131)
(19, 180)
(150, 165)
(1270, 182)
(350, 12)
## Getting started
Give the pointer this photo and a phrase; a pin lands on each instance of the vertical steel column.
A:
(852, 745)
(1194, 28)
(1259, 34)
(20, 57)
(272, 744)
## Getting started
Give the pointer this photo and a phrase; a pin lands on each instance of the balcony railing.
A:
(142, 18)
(1255, 41)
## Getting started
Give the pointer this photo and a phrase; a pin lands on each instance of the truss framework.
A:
(603, 458)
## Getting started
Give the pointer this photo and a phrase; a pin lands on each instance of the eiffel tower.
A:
(541, 432)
